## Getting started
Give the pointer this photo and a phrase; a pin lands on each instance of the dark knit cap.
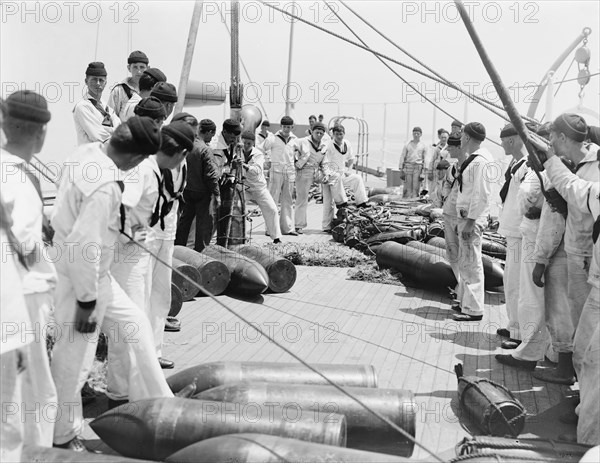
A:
(594, 135)
(232, 126)
(181, 132)
(157, 74)
(206, 125)
(137, 57)
(150, 107)
(319, 125)
(96, 69)
(165, 92)
(443, 164)
(266, 123)
(249, 135)
(417, 129)
(456, 123)
(453, 140)
(28, 106)
(509, 130)
(475, 130)
(183, 116)
(572, 125)
(145, 133)
(544, 130)
(338, 128)
(286, 120)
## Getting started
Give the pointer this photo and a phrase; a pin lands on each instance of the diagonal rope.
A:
(417, 71)
(398, 75)
(478, 99)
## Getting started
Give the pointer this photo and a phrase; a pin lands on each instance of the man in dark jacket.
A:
(202, 185)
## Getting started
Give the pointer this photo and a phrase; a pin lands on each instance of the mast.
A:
(235, 90)
(189, 54)
(288, 104)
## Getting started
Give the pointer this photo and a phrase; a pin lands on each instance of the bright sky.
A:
(47, 46)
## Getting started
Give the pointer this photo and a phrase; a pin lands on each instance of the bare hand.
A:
(467, 231)
(85, 320)
(537, 275)
(139, 233)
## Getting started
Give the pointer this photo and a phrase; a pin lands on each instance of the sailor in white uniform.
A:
(256, 185)
(94, 119)
(25, 121)
(472, 206)
(87, 222)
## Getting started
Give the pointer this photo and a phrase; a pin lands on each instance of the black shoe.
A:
(513, 362)
(277, 241)
(327, 230)
(292, 233)
(299, 231)
(463, 317)
(88, 394)
(455, 305)
(116, 403)
(172, 324)
(166, 364)
(74, 445)
(267, 234)
(569, 417)
(503, 332)
(510, 344)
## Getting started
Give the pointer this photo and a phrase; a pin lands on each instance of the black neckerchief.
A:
(508, 175)
(247, 157)
(338, 148)
(264, 136)
(107, 119)
(316, 148)
(462, 168)
(157, 214)
(283, 139)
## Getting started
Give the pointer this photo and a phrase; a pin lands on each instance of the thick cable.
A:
(410, 68)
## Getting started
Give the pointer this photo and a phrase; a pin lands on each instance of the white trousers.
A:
(354, 183)
(412, 180)
(73, 353)
(131, 271)
(39, 392)
(304, 179)
(532, 308)
(452, 249)
(269, 210)
(12, 435)
(588, 426)
(588, 323)
(511, 278)
(470, 269)
(558, 315)
(578, 268)
(281, 188)
(160, 293)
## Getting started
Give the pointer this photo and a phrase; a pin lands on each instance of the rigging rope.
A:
(398, 75)
(482, 101)
(356, 44)
(282, 347)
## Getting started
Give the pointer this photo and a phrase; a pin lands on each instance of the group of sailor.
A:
(115, 223)
(550, 220)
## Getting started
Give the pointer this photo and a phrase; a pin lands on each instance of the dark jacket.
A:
(202, 170)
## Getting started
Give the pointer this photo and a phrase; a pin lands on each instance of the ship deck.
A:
(406, 333)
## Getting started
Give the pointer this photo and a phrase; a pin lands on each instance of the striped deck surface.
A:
(407, 334)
